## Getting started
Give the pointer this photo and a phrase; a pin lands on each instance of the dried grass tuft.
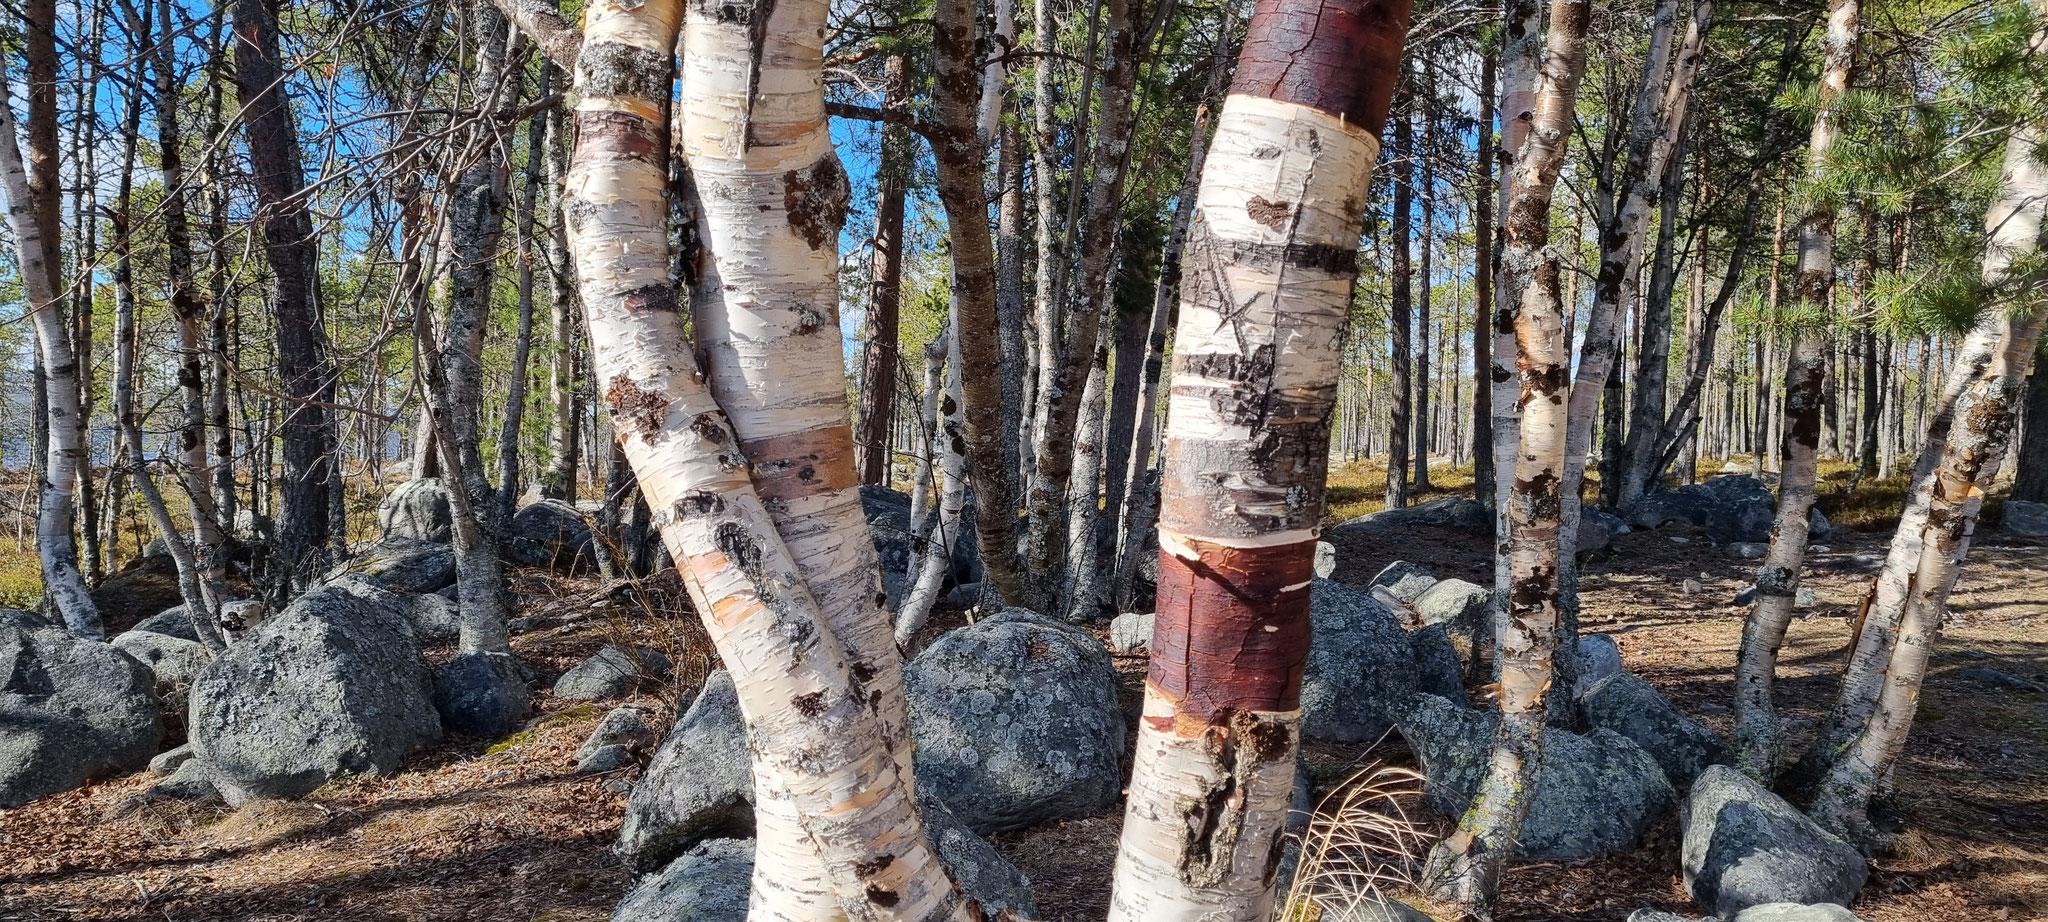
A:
(1360, 845)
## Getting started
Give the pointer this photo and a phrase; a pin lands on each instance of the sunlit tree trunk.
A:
(566, 359)
(303, 516)
(1467, 866)
(876, 410)
(1401, 306)
(1757, 736)
(1271, 260)
(1991, 372)
(1521, 68)
(63, 582)
(753, 124)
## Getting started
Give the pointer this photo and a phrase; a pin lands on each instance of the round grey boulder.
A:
(1595, 794)
(171, 622)
(418, 510)
(1794, 912)
(400, 565)
(484, 695)
(550, 533)
(613, 672)
(1627, 705)
(1360, 677)
(707, 884)
(1131, 633)
(1017, 722)
(1745, 846)
(698, 784)
(1453, 602)
(333, 685)
(71, 711)
(1405, 581)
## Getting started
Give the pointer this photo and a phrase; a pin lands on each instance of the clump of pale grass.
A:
(1360, 844)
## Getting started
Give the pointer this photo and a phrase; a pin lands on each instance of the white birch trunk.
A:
(835, 812)
(63, 583)
(1271, 261)
(1914, 585)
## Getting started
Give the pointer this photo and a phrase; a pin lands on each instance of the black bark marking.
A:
(698, 503)
(811, 705)
(816, 200)
(738, 545)
(653, 298)
(881, 896)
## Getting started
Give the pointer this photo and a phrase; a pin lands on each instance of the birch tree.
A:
(823, 744)
(1271, 259)
(56, 549)
(1467, 865)
(1777, 579)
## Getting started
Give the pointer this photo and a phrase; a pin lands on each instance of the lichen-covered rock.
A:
(171, 622)
(71, 711)
(1818, 528)
(1454, 603)
(612, 672)
(1360, 677)
(1597, 529)
(1794, 912)
(1017, 722)
(1326, 559)
(1439, 670)
(699, 783)
(1131, 633)
(707, 884)
(141, 588)
(1597, 657)
(174, 663)
(333, 685)
(1745, 846)
(400, 565)
(436, 619)
(168, 760)
(550, 533)
(26, 620)
(2025, 518)
(1403, 580)
(1732, 507)
(623, 729)
(418, 510)
(484, 695)
(1595, 794)
(1682, 746)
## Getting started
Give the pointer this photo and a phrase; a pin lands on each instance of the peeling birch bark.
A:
(1468, 865)
(948, 471)
(1757, 735)
(837, 823)
(1271, 259)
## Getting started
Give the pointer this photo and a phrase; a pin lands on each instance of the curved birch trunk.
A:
(1272, 257)
(56, 549)
(836, 820)
(1757, 735)
(947, 470)
(1922, 568)
(1467, 866)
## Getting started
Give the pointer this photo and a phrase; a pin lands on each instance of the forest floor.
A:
(507, 831)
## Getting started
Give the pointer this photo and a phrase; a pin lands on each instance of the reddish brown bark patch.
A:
(605, 135)
(802, 463)
(1232, 629)
(1340, 56)
(1271, 214)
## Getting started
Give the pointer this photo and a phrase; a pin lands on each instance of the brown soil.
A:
(507, 832)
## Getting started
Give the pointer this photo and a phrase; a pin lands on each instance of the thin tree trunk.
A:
(1757, 733)
(838, 830)
(1467, 866)
(1483, 156)
(1064, 367)
(1080, 600)
(1990, 373)
(1401, 306)
(63, 582)
(881, 353)
(566, 362)
(944, 469)
(1274, 246)
(303, 517)
(522, 343)
(958, 157)
(1521, 70)
(1425, 192)
(1140, 508)
(2031, 484)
